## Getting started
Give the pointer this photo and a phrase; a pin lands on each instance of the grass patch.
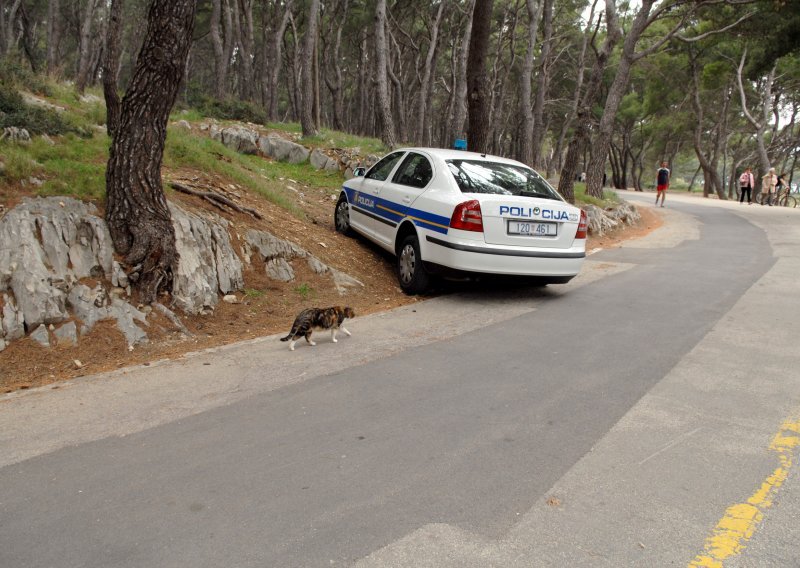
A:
(581, 197)
(253, 293)
(335, 139)
(304, 291)
(205, 154)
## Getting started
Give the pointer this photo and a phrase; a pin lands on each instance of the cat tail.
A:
(288, 337)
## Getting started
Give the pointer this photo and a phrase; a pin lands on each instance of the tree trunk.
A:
(335, 84)
(542, 84)
(136, 210)
(578, 87)
(479, 133)
(388, 135)
(53, 35)
(525, 153)
(460, 94)
(425, 81)
(271, 79)
(111, 66)
(310, 127)
(579, 140)
(616, 91)
(84, 45)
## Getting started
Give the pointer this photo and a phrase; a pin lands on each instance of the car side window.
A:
(415, 171)
(383, 168)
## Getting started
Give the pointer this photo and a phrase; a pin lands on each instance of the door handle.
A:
(376, 190)
(406, 200)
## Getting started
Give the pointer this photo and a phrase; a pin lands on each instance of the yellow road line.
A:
(729, 538)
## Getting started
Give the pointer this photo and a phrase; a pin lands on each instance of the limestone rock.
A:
(237, 138)
(269, 246)
(41, 336)
(283, 150)
(67, 334)
(183, 125)
(207, 261)
(48, 244)
(321, 161)
(2, 344)
(279, 269)
(12, 321)
(17, 135)
(230, 299)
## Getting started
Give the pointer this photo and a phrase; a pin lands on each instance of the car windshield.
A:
(476, 176)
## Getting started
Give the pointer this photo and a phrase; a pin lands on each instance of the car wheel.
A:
(341, 217)
(413, 276)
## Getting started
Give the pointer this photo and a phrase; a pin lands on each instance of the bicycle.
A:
(781, 199)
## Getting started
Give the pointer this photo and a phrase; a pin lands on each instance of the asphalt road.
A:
(611, 423)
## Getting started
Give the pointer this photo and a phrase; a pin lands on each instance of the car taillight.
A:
(467, 217)
(582, 226)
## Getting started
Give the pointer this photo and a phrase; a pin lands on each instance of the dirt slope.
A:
(266, 307)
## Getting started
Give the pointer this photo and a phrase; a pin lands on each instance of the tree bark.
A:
(53, 35)
(525, 153)
(307, 118)
(479, 133)
(388, 135)
(85, 43)
(335, 84)
(425, 82)
(460, 94)
(566, 182)
(223, 46)
(136, 210)
(542, 83)
(111, 66)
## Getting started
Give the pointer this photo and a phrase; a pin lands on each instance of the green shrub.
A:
(15, 112)
(230, 109)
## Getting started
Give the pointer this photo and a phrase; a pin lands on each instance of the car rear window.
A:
(474, 176)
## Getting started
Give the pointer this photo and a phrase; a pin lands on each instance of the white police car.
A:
(444, 211)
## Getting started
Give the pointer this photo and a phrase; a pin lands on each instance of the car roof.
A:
(450, 154)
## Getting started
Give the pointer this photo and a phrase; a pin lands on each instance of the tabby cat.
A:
(318, 318)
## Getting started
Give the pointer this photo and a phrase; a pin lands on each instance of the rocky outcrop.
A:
(276, 254)
(237, 138)
(208, 264)
(47, 246)
(283, 150)
(321, 161)
(16, 135)
(603, 220)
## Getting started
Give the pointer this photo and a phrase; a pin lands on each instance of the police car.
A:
(445, 211)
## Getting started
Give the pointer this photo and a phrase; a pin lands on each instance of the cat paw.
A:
(312, 343)
(347, 333)
(335, 340)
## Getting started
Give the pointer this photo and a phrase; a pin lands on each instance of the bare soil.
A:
(266, 307)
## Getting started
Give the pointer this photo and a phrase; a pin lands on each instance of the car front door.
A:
(397, 195)
(365, 215)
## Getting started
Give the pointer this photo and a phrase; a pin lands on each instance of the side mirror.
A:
(359, 171)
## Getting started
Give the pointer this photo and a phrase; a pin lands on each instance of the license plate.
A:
(528, 229)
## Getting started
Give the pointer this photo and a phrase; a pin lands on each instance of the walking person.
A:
(662, 183)
(768, 185)
(746, 184)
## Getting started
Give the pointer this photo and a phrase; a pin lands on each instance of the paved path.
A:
(612, 421)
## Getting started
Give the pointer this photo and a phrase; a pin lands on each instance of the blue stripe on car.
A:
(385, 210)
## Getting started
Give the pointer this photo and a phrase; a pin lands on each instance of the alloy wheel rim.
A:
(342, 218)
(407, 263)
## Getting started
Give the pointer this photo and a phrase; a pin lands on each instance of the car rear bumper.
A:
(473, 256)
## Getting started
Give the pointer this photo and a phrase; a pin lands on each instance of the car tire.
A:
(341, 217)
(411, 272)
